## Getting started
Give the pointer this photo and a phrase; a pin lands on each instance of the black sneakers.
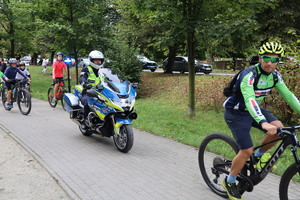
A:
(231, 190)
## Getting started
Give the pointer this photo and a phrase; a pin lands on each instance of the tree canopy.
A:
(225, 28)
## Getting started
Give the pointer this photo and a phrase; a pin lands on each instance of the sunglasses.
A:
(270, 58)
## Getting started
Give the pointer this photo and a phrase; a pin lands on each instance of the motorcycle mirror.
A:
(135, 85)
(99, 87)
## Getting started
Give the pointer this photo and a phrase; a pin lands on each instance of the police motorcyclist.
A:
(90, 77)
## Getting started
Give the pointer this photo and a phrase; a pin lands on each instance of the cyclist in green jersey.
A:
(242, 110)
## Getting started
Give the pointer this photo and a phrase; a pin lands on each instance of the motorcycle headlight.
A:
(125, 103)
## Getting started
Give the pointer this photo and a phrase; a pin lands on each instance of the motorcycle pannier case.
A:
(71, 103)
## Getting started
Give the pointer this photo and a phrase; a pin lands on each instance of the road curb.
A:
(70, 192)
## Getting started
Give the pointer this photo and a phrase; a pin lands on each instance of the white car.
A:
(83, 62)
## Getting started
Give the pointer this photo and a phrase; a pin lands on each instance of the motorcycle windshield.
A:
(113, 82)
(109, 75)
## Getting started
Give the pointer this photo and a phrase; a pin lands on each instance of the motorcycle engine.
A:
(93, 120)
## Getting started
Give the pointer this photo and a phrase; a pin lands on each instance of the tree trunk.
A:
(76, 62)
(52, 57)
(191, 64)
(12, 39)
(34, 59)
(171, 58)
(212, 59)
(234, 63)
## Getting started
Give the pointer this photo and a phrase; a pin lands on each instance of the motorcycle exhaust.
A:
(98, 131)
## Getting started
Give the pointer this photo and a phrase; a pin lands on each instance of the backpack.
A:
(229, 90)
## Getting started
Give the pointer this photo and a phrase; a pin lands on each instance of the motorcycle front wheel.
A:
(124, 140)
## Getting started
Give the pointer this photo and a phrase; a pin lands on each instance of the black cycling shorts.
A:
(240, 123)
(10, 85)
(58, 80)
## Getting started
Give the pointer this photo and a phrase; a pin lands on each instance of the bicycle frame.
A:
(60, 90)
(17, 88)
(289, 138)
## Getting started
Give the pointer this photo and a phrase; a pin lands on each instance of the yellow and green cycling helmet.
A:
(271, 47)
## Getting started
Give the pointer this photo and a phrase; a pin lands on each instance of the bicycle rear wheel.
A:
(215, 154)
(50, 97)
(24, 101)
(289, 187)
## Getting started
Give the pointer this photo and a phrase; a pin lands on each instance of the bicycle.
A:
(59, 94)
(20, 95)
(214, 168)
(1, 86)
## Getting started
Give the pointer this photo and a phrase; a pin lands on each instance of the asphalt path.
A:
(92, 168)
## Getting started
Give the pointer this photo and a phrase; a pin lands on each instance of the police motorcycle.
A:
(111, 109)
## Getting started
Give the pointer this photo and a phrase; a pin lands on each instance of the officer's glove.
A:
(88, 87)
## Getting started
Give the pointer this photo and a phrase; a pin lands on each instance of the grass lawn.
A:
(42, 81)
(162, 107)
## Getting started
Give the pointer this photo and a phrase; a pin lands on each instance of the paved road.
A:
(92, 168)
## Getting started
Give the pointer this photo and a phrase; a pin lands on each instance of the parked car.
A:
(82, 62)
(147, 64)
(181, 65)
(205, 67)
(26, 60)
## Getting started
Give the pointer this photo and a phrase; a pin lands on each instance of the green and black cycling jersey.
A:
(248, 96)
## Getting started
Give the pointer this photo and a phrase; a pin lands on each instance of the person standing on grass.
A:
(242, 111)
(44, 65)
(59, 67)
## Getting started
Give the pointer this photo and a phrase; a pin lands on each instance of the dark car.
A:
(204, 67)
(181, 65)
(147, 64)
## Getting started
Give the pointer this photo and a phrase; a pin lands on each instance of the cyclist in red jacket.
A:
(59, 67)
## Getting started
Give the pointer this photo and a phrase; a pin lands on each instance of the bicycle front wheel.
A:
(3, 98)
(215, 154)
(62, 99)
(289, 187)
(24, 101)
(50, 97)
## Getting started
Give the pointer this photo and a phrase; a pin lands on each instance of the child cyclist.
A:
(10, 79)
(23, 69)
(59, 68)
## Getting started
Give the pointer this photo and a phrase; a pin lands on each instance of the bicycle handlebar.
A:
(287, 130)
(17, 80)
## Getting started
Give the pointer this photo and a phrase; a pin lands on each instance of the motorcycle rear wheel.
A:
(124, 140)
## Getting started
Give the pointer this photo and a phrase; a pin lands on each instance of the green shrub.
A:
(123, 61)
(291, 76)
(209, 96)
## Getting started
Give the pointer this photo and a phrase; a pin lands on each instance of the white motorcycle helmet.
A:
(96, 55)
